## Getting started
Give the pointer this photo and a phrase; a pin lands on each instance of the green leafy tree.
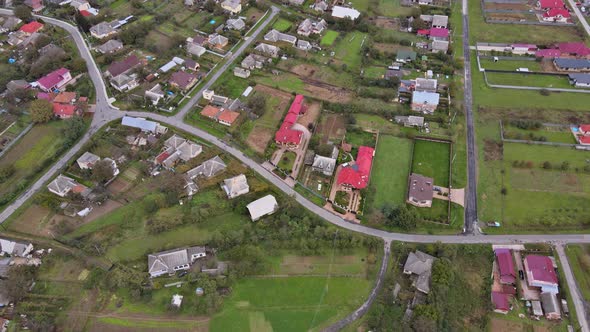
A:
(102, 171)
(23, 12)
(41, 111)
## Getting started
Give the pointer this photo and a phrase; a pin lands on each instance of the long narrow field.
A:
(432, 159)
(389, 176)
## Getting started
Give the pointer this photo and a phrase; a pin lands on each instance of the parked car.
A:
(521, 274)
(182, 274)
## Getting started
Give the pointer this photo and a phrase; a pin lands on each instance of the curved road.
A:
(106, 113)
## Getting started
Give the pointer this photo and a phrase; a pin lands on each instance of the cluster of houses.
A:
(422, 92)
(537, 277)
(437, 33)
(15, 253)
(221, 109)
(82, 6)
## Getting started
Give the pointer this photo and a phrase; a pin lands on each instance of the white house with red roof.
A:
(560, 15)
(550, 4)
(356, 176)
(64, 111)
(286, 135)
(31, 28)
(540, 272)
(54, 80)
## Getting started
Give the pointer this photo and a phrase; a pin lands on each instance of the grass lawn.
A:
(579, 259)
(31, 152)
(289, 304)
(341, 263)
(374, 72)
(518, 79)
(329, 38)
(437, 212)
(551, 135)
(431, 159)
(231, 86)
(287, 161)
(392, 8)
(285, 82)
(348, 49)
(282, 25)
(510, 64)
(360, 138)
(389, 176)
(480, 31)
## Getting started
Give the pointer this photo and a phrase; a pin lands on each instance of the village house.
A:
(550, 4)
(419, 267)
(217, 41)
(80, 5)
(505, 266)
(221, 115)
(236, 186)
(54, 80)
(286, 135)
(208, 168)
(404, 56)
(261, 207)
(87, 160)
(345, 12)
(183, 80)
(425, 84)
(324, 165)
(356, 175)
(191, 64)
(308, 27)
(232, 6)
(35, 5)
(177, 149)
(254, 61)
(420, 191)
(321, 6)
(235, 24)
(110, 46)
(304, 45)
(436, 21)
(170, 261)
(63, 185)
(124, 82)
(103, 29)
(241, 72)
(195, 45)
(122, 67)
(31, 27)
(144, 125)
(410, 121)
(579, 80)
(560, 15)
(424, 102)
(275, 36)
(540, 271)
(15, 248)
(439, 46)
(64, 111)
(501, 302)
(155, 94)
(9, 24)
(268, 49)
(65, 97)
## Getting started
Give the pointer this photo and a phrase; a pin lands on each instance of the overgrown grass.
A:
(329, 38)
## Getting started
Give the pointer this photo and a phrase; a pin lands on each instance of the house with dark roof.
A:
(267, 49)
(420, 191)
(122, 67)
(275, 36)
(576, 65)
(170, 261)
(356, 175)
(405, 56)
(183, 80)
(550, 306)
(419, 266)
(110, 46)
(207, 169)
(540, 271)
(324, 165)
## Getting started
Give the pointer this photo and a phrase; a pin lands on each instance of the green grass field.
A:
(348, 49)
(285, 82)
(374, 72)
(393, 8)
(389, 176)
(558, 136)
(35, 148)
(282, 25)
(329, 38)
(518, 79)
(431, 159)
(579, 259)
(510, 64)
(289, 304)
(287, 161)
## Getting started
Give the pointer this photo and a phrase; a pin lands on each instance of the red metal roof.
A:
(439, 32)
(31, 27)
(584, 140)
(162, 156)
(210, 111)
(50, 80)
(506, 266)
(358, 175)
(554, 12)
(584, 128)
(62, 110)
(285, 134)
(579, 49)
(228, 116)
(545, 4)
(548, 53)
(85, 13)
(424, 32)
(500, 301)
(541, 268)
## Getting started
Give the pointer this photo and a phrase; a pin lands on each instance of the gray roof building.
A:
(262, 207)
(426, 84)
(324, 165)
(87, 160)
(276, 36)
(208, 168)
(103, 29)
(170, 261)
(110, 46)
(254, 61)
(572, 64)
(439, 46)
(236, 186)
(579, 79)
(143, 124)
(420, 264)
(550, 305)
(410, 121)
(303, 45)
(15, 248)
(236, 24)
(241, 72)
(268, 49)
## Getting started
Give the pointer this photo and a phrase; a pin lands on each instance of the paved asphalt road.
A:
(471, 190)
(573, 288)
(228, 62)
(580, 16)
